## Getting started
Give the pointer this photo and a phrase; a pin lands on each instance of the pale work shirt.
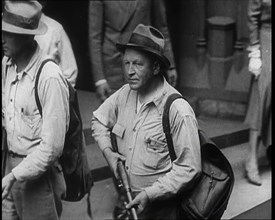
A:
(56, 43)
(141, 140)
(41, 139)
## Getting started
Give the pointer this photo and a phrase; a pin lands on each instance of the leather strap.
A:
(36, 85)
(166, 124)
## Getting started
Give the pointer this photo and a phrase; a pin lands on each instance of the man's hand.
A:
(7, 183)
(112, 159)
(140, 201)
(172, 77)
(103, 91)
(255, 66)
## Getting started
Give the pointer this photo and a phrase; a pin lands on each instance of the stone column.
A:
(201, 41)
(239, 45)
(220, 50)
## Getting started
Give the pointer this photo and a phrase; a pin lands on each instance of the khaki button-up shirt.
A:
(41, 139)
(141, 140)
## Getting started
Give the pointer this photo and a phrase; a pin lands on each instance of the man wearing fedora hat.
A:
(134, 115)
(33, 184)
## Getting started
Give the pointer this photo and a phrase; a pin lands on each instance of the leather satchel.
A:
(209, 196)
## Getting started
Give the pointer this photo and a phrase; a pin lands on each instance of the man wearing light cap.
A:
(33, 184)
(134, 115)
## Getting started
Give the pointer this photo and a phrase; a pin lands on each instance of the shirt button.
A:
(11, 100)
(130, 148)
(127, 168)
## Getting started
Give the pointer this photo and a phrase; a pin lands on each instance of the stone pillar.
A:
(220, 50)
(239, 45)
(201, 41)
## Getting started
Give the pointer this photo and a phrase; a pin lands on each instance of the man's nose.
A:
(131, 69)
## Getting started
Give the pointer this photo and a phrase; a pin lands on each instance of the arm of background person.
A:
(160, 22)
(67, 60)
(95, 29)
(254, 14)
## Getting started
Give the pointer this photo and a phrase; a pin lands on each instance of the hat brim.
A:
(122, 47)
(41, 29)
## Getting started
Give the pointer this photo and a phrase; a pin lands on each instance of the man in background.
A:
(56, 43)
(111, 22)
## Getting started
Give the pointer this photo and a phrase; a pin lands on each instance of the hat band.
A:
(20, 21)
(145, 42)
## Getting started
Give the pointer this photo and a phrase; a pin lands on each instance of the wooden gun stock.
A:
(126, 186)
(4, 151)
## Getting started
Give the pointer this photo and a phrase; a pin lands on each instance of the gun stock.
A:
(123, 182)
(126, 186)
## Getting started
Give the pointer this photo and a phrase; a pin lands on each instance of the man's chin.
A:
(133, 86)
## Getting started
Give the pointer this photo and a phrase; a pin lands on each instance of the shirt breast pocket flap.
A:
(118, 130)
(31, 120)
(154, 145)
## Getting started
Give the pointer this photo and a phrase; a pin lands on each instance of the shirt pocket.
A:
(119, 131)
(30, 125)
(156, 154)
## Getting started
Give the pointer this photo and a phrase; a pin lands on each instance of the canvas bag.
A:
(73, 160)
(210, 194)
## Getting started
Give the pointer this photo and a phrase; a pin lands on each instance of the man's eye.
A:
(138, 64)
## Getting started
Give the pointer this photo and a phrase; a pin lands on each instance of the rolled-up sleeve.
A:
(103, 120)
(187, 166)
(54, 99)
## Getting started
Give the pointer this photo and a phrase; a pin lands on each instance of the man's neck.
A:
(23, 59)
(150, 91)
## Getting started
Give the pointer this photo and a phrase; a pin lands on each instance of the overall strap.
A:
(166, 124)
(36, 85)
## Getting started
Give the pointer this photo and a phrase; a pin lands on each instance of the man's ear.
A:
(156, 67)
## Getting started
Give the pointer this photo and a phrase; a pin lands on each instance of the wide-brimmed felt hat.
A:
(23, 17)
(146, 38)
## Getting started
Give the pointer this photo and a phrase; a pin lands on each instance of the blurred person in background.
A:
(111, 22)
(56, 43)
(259, 110)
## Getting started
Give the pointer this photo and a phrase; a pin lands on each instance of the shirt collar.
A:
(157, 99)
(29, 69)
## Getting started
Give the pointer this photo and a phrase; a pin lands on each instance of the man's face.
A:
(139, 69)
(13, 44)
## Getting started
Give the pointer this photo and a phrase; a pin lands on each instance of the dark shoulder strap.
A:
(36, 85)
(166, 124)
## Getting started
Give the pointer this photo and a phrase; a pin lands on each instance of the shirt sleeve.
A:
(104, 118)
(160, 21)
(187, 166)
(54, 98)
(66, 58)
(95, 30)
